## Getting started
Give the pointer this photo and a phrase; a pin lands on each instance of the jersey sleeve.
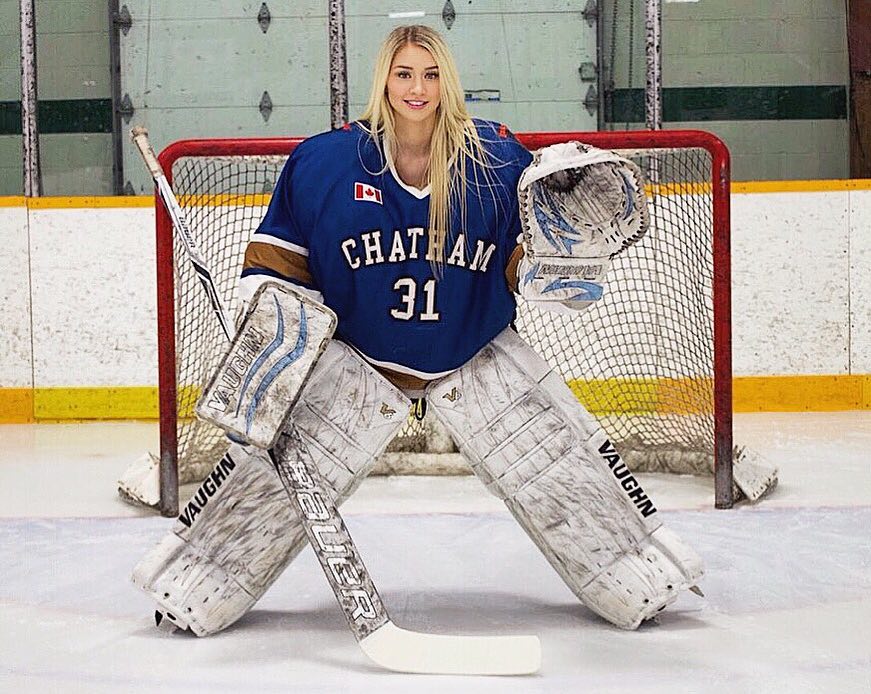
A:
(278, 249)
(511, 159)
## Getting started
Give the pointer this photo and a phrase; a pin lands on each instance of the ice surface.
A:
(787, 605)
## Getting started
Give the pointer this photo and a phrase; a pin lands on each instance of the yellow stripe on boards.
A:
(679, 188)
(749, 394)
(801, 186)
(89, 202)
(127, 201)
(262, 199)
(226, 200)
(642, 396)
(744, 187)
(801, 393)
(603, 397)
(187, 397)
(16, 405)
(119, 402)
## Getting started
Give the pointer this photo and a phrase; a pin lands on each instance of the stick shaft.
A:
(179, 223)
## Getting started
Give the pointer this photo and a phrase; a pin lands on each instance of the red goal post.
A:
(689, 185)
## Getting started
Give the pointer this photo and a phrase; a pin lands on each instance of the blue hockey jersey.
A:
(344, 224)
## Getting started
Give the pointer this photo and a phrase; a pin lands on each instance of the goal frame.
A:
(720, 180)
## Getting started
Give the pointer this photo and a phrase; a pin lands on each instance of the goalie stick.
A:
(380, 639)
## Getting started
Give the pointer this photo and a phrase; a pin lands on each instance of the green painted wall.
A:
(73, 72)
(793, 52)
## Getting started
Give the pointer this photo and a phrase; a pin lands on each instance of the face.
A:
(413, 84)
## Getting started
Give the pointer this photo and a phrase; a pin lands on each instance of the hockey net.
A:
(651, 360)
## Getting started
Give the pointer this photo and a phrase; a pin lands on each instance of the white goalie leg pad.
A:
(231, 540)
(535, 446)
(754, 477)
(238, 532)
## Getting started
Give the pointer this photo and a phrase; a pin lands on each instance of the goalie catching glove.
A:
(579, 207)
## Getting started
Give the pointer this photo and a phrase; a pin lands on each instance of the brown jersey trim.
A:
(511, 268)
(280, 260)
(400, 380)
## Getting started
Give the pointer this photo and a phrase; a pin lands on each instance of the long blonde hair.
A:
(454, 141)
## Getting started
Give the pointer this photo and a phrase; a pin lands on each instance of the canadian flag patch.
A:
(363, 191)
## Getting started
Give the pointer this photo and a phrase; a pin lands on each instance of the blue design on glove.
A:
(530, 275)
(590, 291)
(547, 216)
(629, 207)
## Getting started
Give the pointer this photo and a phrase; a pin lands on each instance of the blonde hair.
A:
(455, 139)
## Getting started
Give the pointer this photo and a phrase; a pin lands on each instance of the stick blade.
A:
(409, 651)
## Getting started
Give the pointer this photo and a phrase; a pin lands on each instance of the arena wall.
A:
(79, 312)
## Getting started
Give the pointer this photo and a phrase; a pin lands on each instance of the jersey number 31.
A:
(408, 287)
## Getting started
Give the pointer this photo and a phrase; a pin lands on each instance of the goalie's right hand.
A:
(266, 366)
